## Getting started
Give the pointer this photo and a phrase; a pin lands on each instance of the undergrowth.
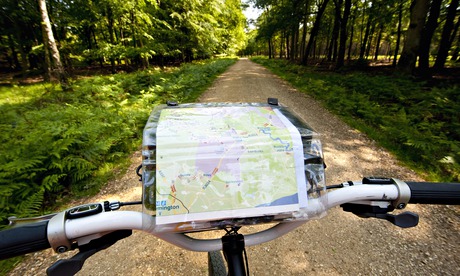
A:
(56, 143)
(420, 125)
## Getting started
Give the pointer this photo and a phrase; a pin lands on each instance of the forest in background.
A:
(418, 37)
(132, 33)
(58, 141)
(151, 37)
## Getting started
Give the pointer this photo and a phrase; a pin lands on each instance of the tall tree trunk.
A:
(48, 40)
(48, 66)
(377, 45)
(304, 38)
(270, 48)
(427, 34)
(343, 34)
(352, 32)
(445, 43)
(398, 37)
(332, 54)
(282, 44)
(288, 49)
(304, 30)
(366, 35)
(110, 24)
(369, 40)
(294, 34)
(418, 13)
(314, 31)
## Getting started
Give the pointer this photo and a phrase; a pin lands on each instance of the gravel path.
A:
(339, 244)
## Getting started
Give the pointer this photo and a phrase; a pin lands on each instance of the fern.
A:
(54, 142)
(30, 205)
(420, 124)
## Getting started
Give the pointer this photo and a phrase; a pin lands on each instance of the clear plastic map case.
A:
(217, 165)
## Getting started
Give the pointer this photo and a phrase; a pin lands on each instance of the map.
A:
(227, 162)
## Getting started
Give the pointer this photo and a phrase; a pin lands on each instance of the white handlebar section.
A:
(362, 192)
(111, 221)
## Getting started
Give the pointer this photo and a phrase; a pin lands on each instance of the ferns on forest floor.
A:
(420, 125)
(53, 142)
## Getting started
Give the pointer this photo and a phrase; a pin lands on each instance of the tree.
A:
(418, 13)
(50, 43)
(398, 35)
(343, 34)
(333, 45)
(446, 40)
(314, 31)
(367, 33)
(427, 34)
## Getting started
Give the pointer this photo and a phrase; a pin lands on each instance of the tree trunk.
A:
(343, 34)
(369, 40)
(398, 39)
(427, 34)
(366, 35)
(281, 45)
(294, 34)
(48, 71)
(110, 24)
(332, 54)
(304, 30)
(48, 40)
(352, 32)
(314, 31)
(304, 38)
(270, 48)
(288, 49)
(418, 13)
(377, 45)
(445, 43)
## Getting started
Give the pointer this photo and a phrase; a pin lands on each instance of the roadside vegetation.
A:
(418, 123)
(54, 143)
(67, 139)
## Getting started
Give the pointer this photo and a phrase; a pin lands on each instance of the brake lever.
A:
(14, 221)
(403, 220)
(74, 264)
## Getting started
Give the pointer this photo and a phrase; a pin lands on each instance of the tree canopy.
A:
(364, 30)
(130, 32)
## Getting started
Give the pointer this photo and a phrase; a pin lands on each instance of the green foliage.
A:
(53, 143)
(132, 32)
(420, 125)
(8, 264)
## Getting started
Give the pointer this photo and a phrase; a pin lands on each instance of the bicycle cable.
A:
(246, 261)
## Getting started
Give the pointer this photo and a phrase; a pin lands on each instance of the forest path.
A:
(339, 244)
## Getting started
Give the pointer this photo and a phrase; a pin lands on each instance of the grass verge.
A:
(57, 144)
(419, 124)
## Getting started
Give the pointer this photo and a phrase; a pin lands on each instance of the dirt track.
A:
(339, 244)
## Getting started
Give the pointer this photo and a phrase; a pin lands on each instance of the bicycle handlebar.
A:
(33, 237)
(24, 239)
(434, 193)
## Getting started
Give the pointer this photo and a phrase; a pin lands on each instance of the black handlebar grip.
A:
(434, 193)
(23, 239)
